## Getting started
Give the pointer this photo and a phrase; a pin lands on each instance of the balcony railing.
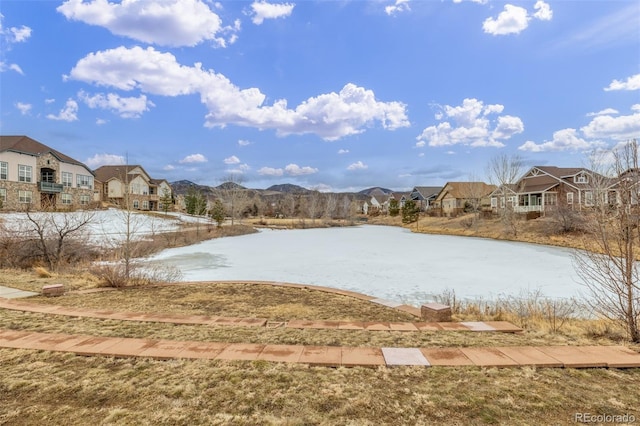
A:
(525, 209)
(50, 187)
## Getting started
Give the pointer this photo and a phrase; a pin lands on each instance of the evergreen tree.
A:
(410, 212)
(394, 208)
(217, 212)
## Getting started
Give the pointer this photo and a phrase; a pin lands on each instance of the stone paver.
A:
(362, 357)
(387, 303)
(202, 350)
(164, 349)
(488, 357)
(241, 351)
(404, 356)
(351, 325)
(530, 356)
(281, 353)
(312, 324)
(377, 326)
(402, 326)
(330, 356)
(572, 356)
(478, 326)
(446, 357)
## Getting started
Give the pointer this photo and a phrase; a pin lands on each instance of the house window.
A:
(67, 179)
(4, 170)
(24, 197)
(136, 204)
(66, 199)
(145, 205)
(3, 195)
(84, 200)
(569, 197)
(85, 181)
(25, 173)
(588, 198)
(494, 202)
(581, 178)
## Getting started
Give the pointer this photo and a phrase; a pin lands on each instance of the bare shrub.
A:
(42, 272)
(119, 275)
(531, 308)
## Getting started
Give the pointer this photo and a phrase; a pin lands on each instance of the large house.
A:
(456, 197)
(116, 184)
(424, 196)
(35, 176)
(545, 187)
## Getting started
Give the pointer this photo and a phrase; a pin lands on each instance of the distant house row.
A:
(540, 189)
(35, 176)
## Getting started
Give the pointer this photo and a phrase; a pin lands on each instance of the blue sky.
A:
(334, 95)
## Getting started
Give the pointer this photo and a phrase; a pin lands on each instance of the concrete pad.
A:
(377, 326)
(504, 326)
(202, 350)
(164, 349)
(252, 322)
(573, 357)
(312, 324)
(388, 303)
(446, 357)
(128, 347)
(404, 356)
(14, 293)
(351, 325)
(488, 357)
(93, 345)
(402, 326)
(321, 355)
(452, 326)
(410, 310)
(427, 326)
(615, 356)
(241, 352)
(362, 357)
(477, 326)
(525, 355)
(281, 353)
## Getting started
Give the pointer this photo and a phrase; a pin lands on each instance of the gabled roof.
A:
(462, 190)
(427, 191)
(398, 195)
(105, 173)
(544, 178)
(26, 145)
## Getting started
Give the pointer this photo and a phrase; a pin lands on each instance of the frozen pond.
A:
(385, 262)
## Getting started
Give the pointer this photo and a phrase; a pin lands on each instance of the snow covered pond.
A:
(386, 262)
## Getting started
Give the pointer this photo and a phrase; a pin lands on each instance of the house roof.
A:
(544, 178)
(105, 173)
(26, 145)
(462, 190)
(427, 191)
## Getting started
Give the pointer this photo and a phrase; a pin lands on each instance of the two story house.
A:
(35, 176)
(116, 184)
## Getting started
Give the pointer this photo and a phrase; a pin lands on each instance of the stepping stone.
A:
(93, 345)
(530, 356)
(404, 356)
(8, 336)
(615, 356)
(402, 326)
(312, 324)
(504, 326)
(446, 357)
(452, 326)
(252, 322)
(477, 326)
(241, 352)
(488, 357)
(23, 340)
(377, 326)
(202, 350)
(128, 347)
(351, 325)
(321, 355)
(416, 312)
(164, 349)
(226, 321)
(362, 357)
(573, 357)
(427, 326)
(281, 353)
(388, 303)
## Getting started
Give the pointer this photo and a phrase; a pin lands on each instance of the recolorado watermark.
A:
(604, 418)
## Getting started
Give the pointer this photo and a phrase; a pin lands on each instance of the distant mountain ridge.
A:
(288, 188)
(376, 190)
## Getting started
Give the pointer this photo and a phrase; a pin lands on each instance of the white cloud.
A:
(563, 140)
(635, 107)
(24, 108)
(470, 124)
(242, 168)
(167, 22)
(343, 151)
(359, 165)
(131, 107)
(295, 170)
(473, 1)
(49, 101)
(68, 113)
(169, 167)
(515, 19)
(322, 187)
(194, 158)
(270, 171)
(243, 142)
(397, 7)
(330, 116)
(101, 121)
(632, 83)
(607, 111)
(263, 10)
(618, 128)
(105, 160)
(9, 37)
(231, 160)
(12, 67)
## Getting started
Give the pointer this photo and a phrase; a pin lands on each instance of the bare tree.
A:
(233, 194)
(503, 171)
(609, 267)
(313, 204)
(473, 191)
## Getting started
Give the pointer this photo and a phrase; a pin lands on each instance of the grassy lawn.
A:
(39, 387)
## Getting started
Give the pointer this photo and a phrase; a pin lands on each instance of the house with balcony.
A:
(544, 188)
(119, 183)
(36, 176)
